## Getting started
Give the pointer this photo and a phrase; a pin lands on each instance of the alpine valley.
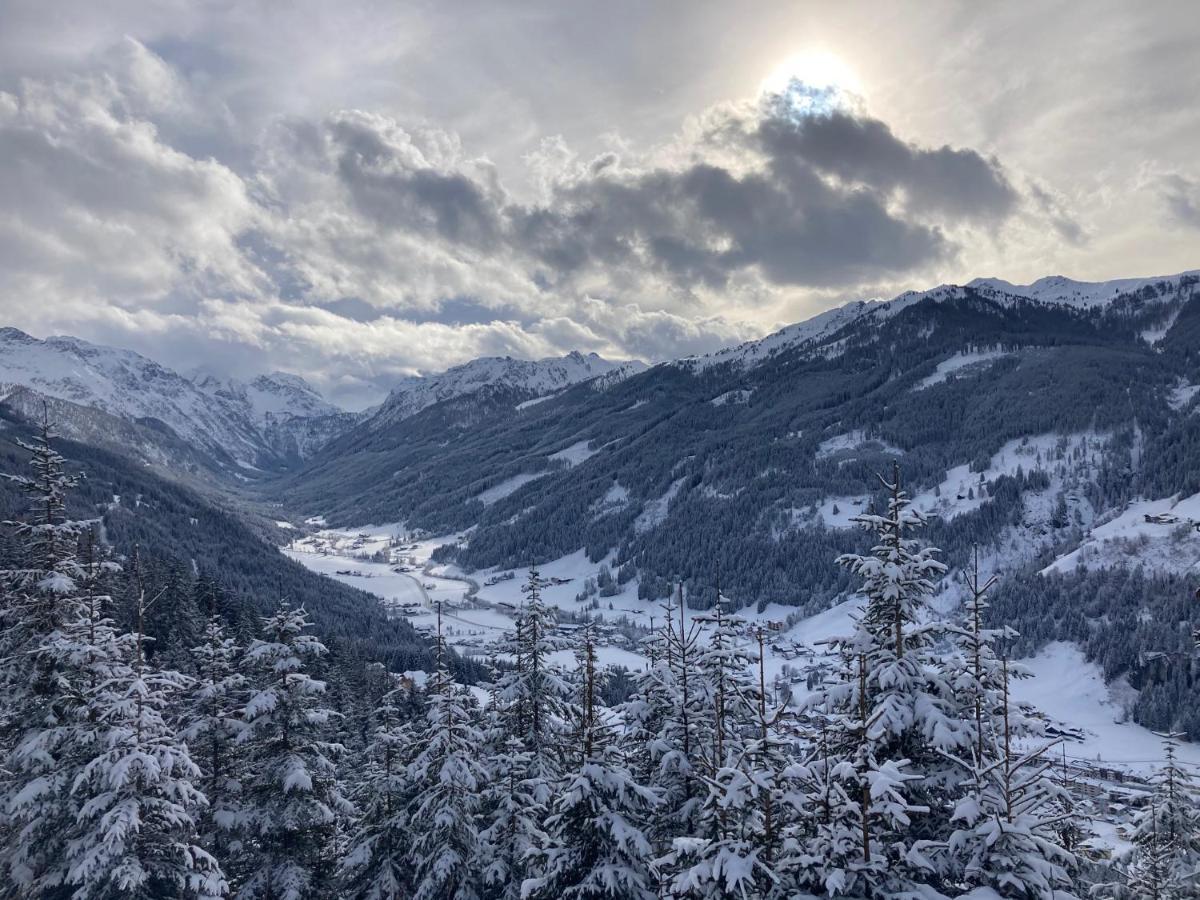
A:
(1049, 433)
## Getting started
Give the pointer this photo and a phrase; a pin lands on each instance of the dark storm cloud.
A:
(801, 213)
(703, 223)
(833, 199)
(859, 150)
(450, 205)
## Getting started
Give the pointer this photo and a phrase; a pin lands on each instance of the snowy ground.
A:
(969, 363)
(1161, 534)
(1069, 460)
(851, 441)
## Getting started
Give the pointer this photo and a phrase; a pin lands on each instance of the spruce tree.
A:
(1006, 838)
(1008, 807)
(446, 780)
(512, 812)
(136, 826)
(43, 687)
(889, 711)
(375, 867)
(1166, 835)
(292, 799)
(597, 846)
(688, 728)
(534, 695)
(213, 726)
(731, 852)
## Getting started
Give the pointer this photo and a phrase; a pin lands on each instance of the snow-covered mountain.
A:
(266, 422)
(528, 379)
(261, 423)
(289, 413)
(1053, 290)
(129, 386)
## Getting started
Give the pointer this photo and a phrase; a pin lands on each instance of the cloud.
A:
(796, 215)
(359, 245)
(858, 150)
(95, 207)
(1182, 197)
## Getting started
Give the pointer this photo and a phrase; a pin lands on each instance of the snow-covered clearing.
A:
(1182, 395)
(574, 454)
(834, 512)
(526, 404)
(972, 361)
(1066, 687)
(1160, 535)
(655, 511)
(506, 487)
(852, 441)
(614, 499)
(730, 398)
(1065, 458)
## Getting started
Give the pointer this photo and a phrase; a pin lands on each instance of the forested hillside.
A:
(193, 546)
(256, 762)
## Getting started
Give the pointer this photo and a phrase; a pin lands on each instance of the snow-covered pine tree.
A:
(292, 800)
(888, 709)
(446, 780)
(213, 722)
(649, 753)
(513, 818)
(136, 825)
(1006, 838)
(731, 853)
(1009, 807)
(1166, 835)
(1150, 874)
(597, 846)
(375, 867)
(535, 696)
(688, 728)
(43, 687)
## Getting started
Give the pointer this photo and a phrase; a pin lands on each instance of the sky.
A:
(355, 191)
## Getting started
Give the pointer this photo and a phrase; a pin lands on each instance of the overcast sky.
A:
(356, 190)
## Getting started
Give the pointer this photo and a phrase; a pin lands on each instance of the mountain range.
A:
(242, 428)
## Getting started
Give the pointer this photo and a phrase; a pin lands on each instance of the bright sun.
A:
(817, 69)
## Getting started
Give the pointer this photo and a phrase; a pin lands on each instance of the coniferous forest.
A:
(238, 756)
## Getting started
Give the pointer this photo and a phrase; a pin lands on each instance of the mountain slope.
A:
(262, 424)
(1028, 427)
(526, 379)
(291, 416)
(747, 449)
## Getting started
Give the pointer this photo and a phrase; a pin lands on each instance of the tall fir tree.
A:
(889, 711)
(213, 725)
(1008, 807)
(1165, 864)
(43, 687)
(292, 799)
(136, 829)
(534, 695)
(376, 864)
(1006, 839)
(731, 852)
(446, 781)
(597, 846)
(512, 812)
